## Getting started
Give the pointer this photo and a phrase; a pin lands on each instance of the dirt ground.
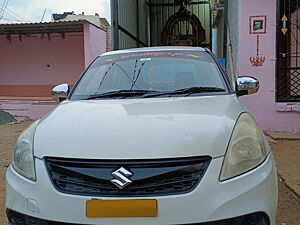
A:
(287, 154)
(8, 136)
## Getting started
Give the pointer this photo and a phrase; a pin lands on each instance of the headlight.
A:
(246, 148)
(23, 161)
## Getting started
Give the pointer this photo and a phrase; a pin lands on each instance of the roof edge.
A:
(151, 49)
(7, 29)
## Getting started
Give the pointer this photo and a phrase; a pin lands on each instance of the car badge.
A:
(121, 176)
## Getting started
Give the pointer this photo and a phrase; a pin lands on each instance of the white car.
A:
(148, 136)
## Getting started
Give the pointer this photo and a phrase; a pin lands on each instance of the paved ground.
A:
(287, 153)
(24, 108)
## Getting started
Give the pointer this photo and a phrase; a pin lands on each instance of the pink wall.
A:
(40, 62)
(94, 42)
(271, 116)
(36, 61)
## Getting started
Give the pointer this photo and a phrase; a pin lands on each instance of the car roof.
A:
(149, 49)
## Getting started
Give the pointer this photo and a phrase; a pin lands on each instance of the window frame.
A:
(219, 65)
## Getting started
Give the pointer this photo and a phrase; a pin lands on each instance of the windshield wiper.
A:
(188, 91)
(136, 76)
(121, 93)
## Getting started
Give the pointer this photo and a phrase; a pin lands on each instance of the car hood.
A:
(138, 128)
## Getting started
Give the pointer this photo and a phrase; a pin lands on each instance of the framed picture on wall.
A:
(258, 24)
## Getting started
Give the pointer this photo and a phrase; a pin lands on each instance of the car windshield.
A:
(150, 74)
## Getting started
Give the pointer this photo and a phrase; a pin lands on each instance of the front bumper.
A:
(251, 219)
(255, 191)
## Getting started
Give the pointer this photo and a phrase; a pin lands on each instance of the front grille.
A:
(150, 178)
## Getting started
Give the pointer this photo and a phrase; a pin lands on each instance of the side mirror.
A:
(60, 92)
(246, 86)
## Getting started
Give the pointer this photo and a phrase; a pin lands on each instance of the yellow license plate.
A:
(121, 208)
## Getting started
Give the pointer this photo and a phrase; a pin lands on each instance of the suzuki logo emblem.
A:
(121, 175)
